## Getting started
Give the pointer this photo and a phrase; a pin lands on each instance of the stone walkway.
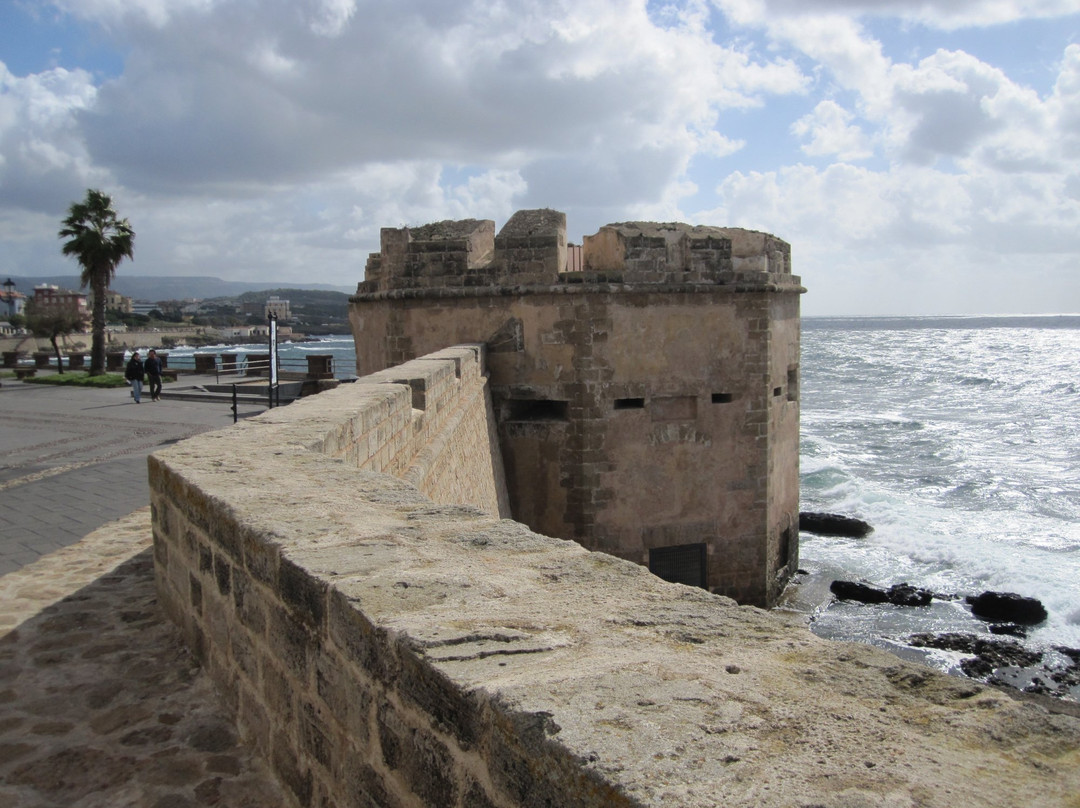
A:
(72, 459)
(100, 702)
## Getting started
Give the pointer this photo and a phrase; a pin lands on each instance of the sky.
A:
(920, 156)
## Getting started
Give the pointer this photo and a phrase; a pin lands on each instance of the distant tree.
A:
(17, 320)
(99, 240)
(53, 324)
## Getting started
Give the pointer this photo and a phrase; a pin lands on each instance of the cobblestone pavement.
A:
(100, 702)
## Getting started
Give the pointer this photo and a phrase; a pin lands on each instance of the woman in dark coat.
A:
(134, 374)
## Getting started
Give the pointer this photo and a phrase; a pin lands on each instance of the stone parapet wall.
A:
(382, 649)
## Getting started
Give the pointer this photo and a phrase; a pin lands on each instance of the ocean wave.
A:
(976, 381)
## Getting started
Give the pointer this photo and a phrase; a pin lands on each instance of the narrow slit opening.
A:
(521, 409)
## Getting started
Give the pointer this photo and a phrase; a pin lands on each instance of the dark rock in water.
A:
(908, 595)
(834, 524)
(995, 653)
(864, 593)
(1008, 607)
(1071, 653)
(1012, 629)
(1067, 677)
(1007, 663)
(976, 667)
(898, 594)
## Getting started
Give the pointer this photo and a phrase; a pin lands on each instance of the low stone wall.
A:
(384, 647)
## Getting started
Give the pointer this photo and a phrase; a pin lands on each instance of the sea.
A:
(956, 438)
(292, 355)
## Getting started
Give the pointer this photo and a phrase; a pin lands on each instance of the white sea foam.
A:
(961, 445)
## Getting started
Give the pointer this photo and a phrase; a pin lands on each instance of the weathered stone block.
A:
(418, 756)
(451, 709)
(359, 641)
(223, 575)
(253, 720)
(363, 785)
(279, 694)
(291, 641)
(347, 695)
(317, 739)
(250, 606)
(293, 774)
(303, 593)
(195, 593)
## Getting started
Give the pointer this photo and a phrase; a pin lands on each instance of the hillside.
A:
(172, 287)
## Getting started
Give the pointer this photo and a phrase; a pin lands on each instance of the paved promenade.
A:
(100, 702)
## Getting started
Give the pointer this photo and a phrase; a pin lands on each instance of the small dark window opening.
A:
(527, 409)
(629, 403)
(682, 564)
(722, 398)
(777, 391)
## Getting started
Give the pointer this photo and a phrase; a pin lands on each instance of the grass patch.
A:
(78, 378)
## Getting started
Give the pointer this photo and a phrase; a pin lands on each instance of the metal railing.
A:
(254, 366)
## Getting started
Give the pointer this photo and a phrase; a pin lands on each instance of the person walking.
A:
(152, 366)
(134, 374)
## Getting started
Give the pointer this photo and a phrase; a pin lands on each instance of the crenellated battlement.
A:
(530, 251)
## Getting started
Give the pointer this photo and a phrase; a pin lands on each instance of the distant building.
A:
(13, 302)
(277, 307)
(234, 331)
(49, 298)
(283, 331)
(143, 307)
(114, 301)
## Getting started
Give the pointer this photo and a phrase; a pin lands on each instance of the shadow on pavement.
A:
(102, 705)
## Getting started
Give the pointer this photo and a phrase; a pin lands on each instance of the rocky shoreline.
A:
(995, 659)
(992, 652)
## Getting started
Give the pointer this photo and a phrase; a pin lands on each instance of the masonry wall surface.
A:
(381, 648)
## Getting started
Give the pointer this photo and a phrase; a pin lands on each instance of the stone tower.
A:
(648, 405)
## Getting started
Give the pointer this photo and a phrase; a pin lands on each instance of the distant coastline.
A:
(910, 322)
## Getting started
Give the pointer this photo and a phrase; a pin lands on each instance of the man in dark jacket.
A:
(134, 374)
(152, 366)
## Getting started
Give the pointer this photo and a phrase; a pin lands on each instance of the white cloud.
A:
(331, 16)
(830, 132)
(42, 156)
(944, 14)
(1065, 103)
(919, 226)
(235, 96)
(273, 138)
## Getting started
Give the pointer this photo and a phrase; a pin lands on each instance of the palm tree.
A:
(99, 241)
